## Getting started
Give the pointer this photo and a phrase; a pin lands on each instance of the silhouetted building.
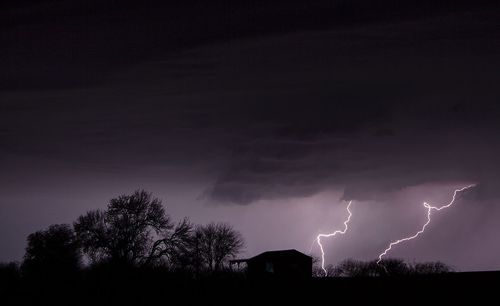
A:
(284, 263)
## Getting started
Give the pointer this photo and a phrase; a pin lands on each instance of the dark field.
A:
(162, 288)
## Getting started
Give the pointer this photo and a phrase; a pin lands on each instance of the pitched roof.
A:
(280, 253)
(274, 254)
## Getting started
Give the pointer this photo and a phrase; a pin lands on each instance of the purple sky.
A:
(269, 116)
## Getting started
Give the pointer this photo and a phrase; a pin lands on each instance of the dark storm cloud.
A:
(372, 140)
(68, 44)
(360, 107)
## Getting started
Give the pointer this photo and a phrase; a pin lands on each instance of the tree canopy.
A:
(134, 229)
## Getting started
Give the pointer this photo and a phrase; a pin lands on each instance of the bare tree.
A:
(92, 233)
(174, 245)
(134, 229)
(214, 244)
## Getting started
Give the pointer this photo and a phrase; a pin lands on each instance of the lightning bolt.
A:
(341, 232)
(429, 213)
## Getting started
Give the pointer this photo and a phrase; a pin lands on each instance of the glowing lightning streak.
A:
(429, 212)
(342, 232)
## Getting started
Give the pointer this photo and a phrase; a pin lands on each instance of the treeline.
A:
(387, 267)
(134, 231)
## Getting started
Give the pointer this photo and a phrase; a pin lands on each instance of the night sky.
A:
(269, 115)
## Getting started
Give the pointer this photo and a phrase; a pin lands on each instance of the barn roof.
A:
(281, 253)
(273, 254)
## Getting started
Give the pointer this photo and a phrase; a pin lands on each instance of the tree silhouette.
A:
(317, 271)
(393, 267)
(431, 268)
(52, 251)
(387, 267)
(214, 244)
(92, 233)
(134, 230)
(174, 245)
(351, 268)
